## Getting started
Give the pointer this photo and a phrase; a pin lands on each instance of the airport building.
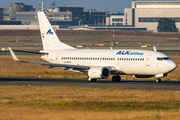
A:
(9, 14)
(63, 16)
(31, 17)
(146, 14)
(1, 14)
(79, 17)
(115, 19)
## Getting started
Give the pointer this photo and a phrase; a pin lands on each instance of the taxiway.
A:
(132, 84)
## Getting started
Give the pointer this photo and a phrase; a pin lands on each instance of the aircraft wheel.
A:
(116, 78)
(158, 80)
(119, 78)
(92, 80)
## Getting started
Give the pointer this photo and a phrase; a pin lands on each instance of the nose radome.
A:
(171, 66)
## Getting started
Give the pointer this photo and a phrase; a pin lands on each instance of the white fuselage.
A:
(126, 61)
(99, 63)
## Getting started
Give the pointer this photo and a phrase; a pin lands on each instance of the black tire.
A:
(92, 80)
(119, 78)
(116, 78)
(158, 80)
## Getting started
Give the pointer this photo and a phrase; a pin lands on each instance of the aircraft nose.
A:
(171, 66)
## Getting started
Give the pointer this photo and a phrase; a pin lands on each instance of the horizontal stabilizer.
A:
(35, 52)
(13, 55)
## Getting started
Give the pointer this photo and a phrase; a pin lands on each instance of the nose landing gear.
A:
(92, 80)
(158, 80)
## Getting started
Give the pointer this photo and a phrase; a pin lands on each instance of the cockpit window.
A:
(163, 58)
(166, 58)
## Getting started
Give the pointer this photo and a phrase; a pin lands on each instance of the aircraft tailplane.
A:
(49, 38)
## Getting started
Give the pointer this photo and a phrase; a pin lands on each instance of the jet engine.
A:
(98, 72)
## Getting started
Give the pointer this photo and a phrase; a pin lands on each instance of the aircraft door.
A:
(148, 60)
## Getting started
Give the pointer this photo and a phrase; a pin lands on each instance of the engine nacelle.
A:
(144, 76)
(98, 72)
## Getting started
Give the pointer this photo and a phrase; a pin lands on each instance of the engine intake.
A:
(98, 72)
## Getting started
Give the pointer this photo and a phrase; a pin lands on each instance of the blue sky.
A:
(100, 5)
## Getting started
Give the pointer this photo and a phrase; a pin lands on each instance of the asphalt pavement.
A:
(132, 84)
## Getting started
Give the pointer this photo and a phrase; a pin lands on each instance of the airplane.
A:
(99, 63)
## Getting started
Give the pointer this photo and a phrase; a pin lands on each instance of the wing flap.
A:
(58, 65)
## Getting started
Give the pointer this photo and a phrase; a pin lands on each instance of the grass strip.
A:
(171, 53)
(103, 106)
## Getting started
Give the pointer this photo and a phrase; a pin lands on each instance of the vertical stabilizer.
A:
(49, 38)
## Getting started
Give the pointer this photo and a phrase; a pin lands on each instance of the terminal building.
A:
(142, 14)
(115, 19)
(79, 17)
(20, 13)
(146, 14)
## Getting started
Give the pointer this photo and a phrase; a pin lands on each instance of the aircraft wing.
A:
(51, 65)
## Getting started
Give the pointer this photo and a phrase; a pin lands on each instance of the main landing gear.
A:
(158, 80)
(116, 78)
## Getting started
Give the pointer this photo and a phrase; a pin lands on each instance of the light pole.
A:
(80, 22)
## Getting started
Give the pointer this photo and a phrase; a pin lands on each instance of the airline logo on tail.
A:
(49, 32)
